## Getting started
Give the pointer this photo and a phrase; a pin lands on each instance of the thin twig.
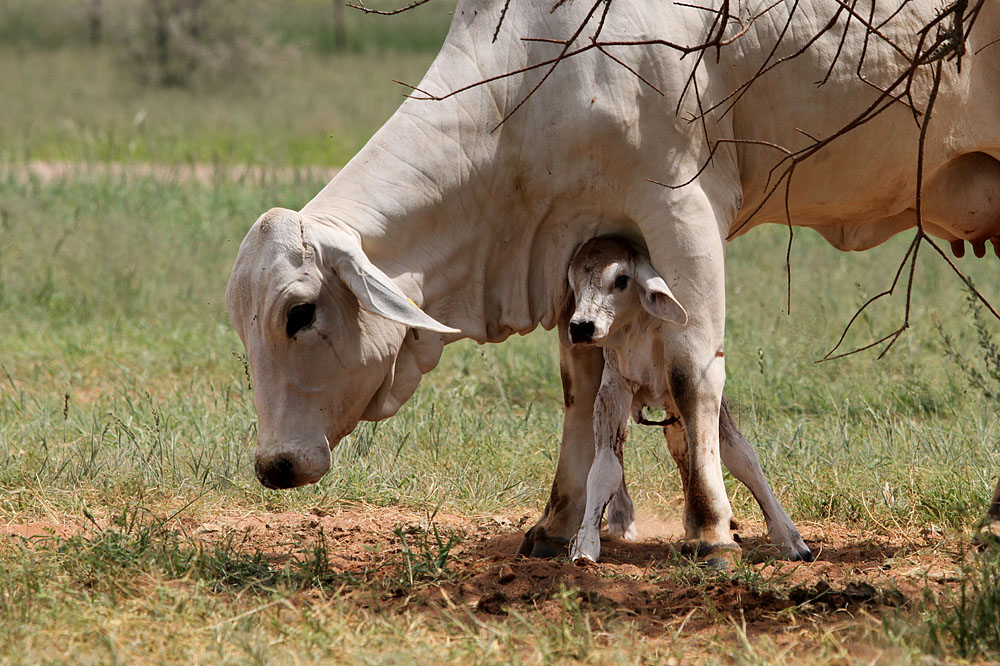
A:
(387, 12)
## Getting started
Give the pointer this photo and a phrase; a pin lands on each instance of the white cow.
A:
(619, 303)
(467, 210)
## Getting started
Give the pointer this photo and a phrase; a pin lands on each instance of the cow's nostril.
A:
(581, 331)
(276, 474)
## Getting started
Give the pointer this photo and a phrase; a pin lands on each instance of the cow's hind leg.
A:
(580, 368)
(611, 411)
(990, 531)
(741, 460)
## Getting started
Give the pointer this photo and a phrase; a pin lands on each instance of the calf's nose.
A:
(581, 331)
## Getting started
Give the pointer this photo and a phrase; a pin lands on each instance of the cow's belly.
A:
(860, 189)
(959, 202)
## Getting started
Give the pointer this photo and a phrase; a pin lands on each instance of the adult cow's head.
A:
(322, 327)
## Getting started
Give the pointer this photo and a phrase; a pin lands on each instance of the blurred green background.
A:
(296, 82)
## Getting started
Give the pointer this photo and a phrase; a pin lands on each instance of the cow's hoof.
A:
(549, 547)
(988, 535)
(536, 543)
(802, 554)
(793, 548)
(719, 556)
(620, 531)
(585, 547)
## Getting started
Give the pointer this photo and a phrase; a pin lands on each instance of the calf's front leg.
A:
(611, 413)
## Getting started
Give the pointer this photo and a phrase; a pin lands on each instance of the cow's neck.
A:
(450, 225)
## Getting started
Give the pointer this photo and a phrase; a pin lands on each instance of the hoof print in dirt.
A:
(852, 594)
(720, 557)
(493, 604)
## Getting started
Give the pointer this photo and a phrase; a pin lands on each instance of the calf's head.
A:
(611, 282)
(322, 327)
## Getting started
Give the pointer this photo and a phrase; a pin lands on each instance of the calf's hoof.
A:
(718, 556)
(621, 531)
(585, 547)
(536, 543)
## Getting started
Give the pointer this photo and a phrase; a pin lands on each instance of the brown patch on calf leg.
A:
(621, 509)
(678, 447)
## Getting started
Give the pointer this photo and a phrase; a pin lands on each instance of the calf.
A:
(622, 305)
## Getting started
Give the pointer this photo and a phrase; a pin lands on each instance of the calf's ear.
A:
(655, 295)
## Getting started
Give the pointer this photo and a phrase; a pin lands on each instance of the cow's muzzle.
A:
(291, 469)
(277, 474)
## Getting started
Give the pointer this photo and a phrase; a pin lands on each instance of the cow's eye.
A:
(300, 316)
(621, 282)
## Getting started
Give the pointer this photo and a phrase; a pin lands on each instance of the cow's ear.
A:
(379, 294)
(655, 295)
(565, 313)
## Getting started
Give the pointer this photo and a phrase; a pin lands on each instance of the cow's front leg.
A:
(741, 460)
(685, 231)
(580, 368)
(696, 389)
(611, 412)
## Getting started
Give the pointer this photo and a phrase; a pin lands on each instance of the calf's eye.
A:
(300, 316)
(621, 282)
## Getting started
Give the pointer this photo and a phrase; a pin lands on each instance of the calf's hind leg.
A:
(621, 513)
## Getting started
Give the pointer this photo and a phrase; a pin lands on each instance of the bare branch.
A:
(387, 12)
(942, 38)
(503, 15)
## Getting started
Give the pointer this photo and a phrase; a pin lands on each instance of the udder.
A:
(961, 202)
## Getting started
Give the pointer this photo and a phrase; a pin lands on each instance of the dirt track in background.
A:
(856, 572)
(195, 172)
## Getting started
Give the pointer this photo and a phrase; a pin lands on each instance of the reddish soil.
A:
(648, 581)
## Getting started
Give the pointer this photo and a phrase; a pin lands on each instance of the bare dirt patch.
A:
(648, 581)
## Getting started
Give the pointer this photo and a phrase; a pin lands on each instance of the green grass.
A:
(308, 24)
(90, 109)
(122, 384)
(123, 396)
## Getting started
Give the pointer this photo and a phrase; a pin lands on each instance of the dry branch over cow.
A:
(460, 216)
